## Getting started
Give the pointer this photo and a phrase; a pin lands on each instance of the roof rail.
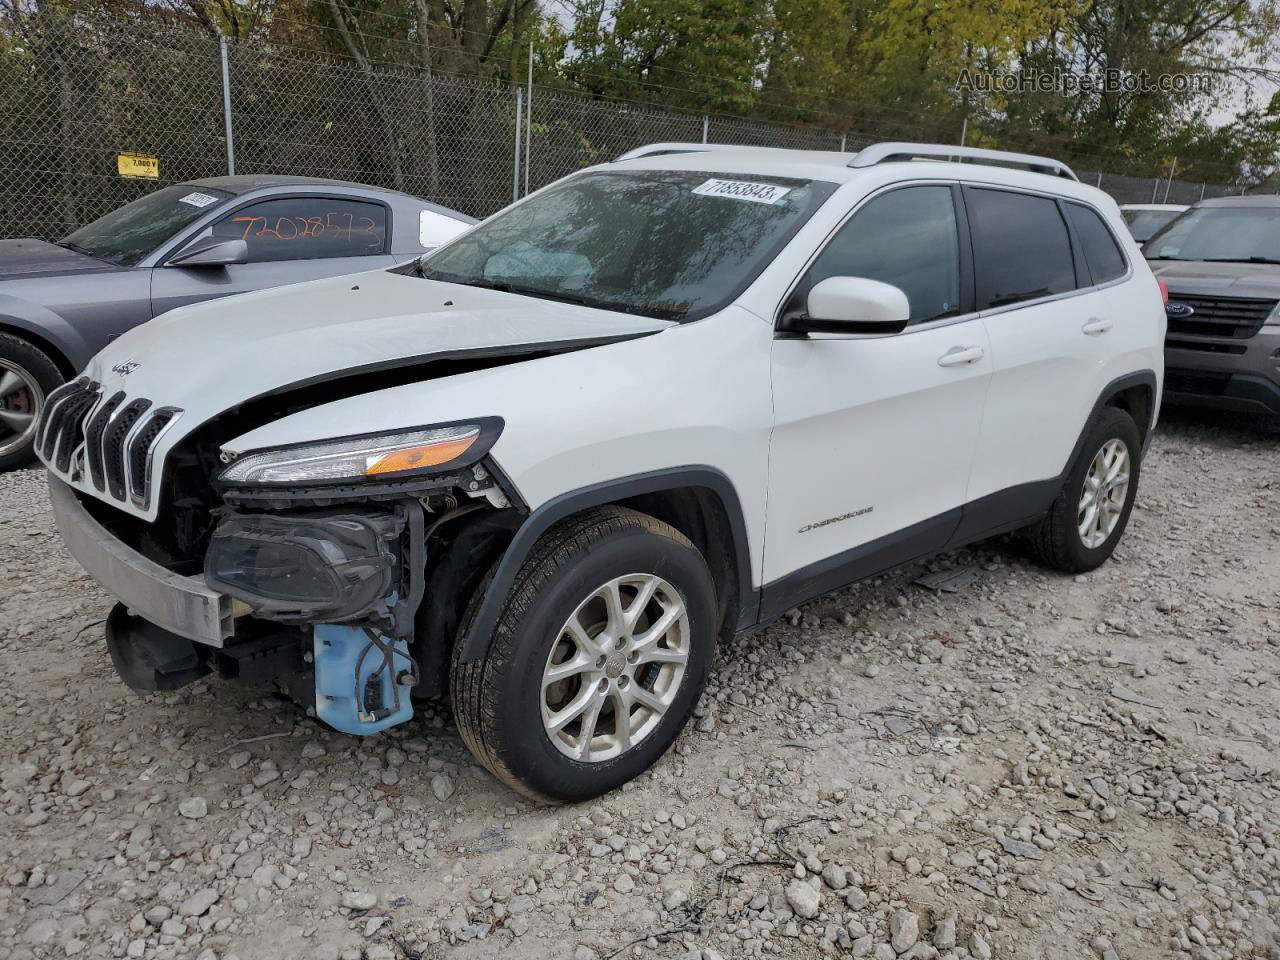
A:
(886, 152)
(661, 149)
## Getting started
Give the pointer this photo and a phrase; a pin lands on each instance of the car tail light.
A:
(1164, 291)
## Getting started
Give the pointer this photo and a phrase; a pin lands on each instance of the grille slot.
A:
(1205, 346)
(137, 455)
(1227, 318)
(47, 434)
(64, 426)
(1196, 382)
(93, 432)
(113, 445)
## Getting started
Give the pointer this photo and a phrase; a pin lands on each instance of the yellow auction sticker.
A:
(138, 165)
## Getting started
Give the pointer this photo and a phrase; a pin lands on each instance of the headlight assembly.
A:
(385, 456)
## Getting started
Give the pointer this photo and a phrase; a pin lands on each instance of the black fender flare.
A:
(477, 639)
(1139, 378)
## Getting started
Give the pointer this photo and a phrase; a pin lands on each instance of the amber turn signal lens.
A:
(416, 458)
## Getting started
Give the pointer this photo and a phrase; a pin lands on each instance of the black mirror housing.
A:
(211, 252)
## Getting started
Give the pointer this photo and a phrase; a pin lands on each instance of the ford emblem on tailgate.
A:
(1178, 309)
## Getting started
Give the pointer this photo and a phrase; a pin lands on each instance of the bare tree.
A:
(341, 14)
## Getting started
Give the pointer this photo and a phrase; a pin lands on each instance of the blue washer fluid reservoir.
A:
(364, 704)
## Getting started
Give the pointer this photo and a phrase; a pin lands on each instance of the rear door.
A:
(1050, 326)
(874, 435)
(290, 239)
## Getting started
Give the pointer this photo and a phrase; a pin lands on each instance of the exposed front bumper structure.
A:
(182, 605)
(360, 568)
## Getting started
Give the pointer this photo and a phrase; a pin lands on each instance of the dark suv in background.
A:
(1221, 263)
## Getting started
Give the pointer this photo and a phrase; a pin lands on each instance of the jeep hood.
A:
(1260, 281)
(212, 357)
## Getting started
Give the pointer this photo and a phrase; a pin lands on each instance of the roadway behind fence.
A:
(71, 102)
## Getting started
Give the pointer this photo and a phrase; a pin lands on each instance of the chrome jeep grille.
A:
(107, 441)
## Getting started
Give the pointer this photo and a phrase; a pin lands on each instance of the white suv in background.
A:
(658, 402)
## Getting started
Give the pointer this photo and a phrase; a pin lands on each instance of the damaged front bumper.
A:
(321, 604)
(186, 606)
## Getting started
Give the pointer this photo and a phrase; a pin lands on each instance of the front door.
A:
(874, 435)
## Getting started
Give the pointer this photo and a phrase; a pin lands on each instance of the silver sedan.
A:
(61, 302)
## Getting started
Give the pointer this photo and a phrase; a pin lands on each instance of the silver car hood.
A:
(208, 358)
(1260, 281)
(21, 259)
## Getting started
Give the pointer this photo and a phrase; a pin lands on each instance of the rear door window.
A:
(307, 228)
(1021, 247)
(1101, 252)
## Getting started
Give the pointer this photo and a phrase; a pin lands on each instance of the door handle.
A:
(959, 356)
(1096, 325)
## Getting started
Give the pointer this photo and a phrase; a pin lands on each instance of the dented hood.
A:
(213, 356)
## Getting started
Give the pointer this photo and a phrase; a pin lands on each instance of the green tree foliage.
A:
(1218, 47)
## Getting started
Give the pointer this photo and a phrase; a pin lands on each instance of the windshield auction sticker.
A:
(198, 199)
(742, 190)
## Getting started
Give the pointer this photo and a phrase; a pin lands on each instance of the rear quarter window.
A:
(1101, 252)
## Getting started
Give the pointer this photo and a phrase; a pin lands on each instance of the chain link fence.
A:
(1127, 189)
(68, 108)
(74, 96)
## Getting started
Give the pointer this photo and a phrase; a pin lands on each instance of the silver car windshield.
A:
(1223, 234)
(1144, 224)
(126, 235)
(672, 244)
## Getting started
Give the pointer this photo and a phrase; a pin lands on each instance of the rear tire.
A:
(577, 632)
(27, 377)
(1090, 514)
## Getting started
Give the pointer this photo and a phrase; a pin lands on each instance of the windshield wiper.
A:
(1163, 257)
(1240, 260)
(76, 248)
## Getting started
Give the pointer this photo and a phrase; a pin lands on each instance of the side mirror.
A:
(854, 305)
(211, 252)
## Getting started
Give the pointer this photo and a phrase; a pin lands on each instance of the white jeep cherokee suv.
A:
(658, 402)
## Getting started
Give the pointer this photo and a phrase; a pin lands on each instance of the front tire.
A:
(601, 651)
(27, 377)
(1089, 516)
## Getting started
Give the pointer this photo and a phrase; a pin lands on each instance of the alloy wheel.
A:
(1106, 487)
(21, 400)
(615, 668)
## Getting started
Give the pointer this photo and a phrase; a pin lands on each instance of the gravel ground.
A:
(1035, 766)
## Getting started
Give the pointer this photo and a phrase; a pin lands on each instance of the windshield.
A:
(126, 235)
(1228, 234)
(1143, 224)
(672, 244)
